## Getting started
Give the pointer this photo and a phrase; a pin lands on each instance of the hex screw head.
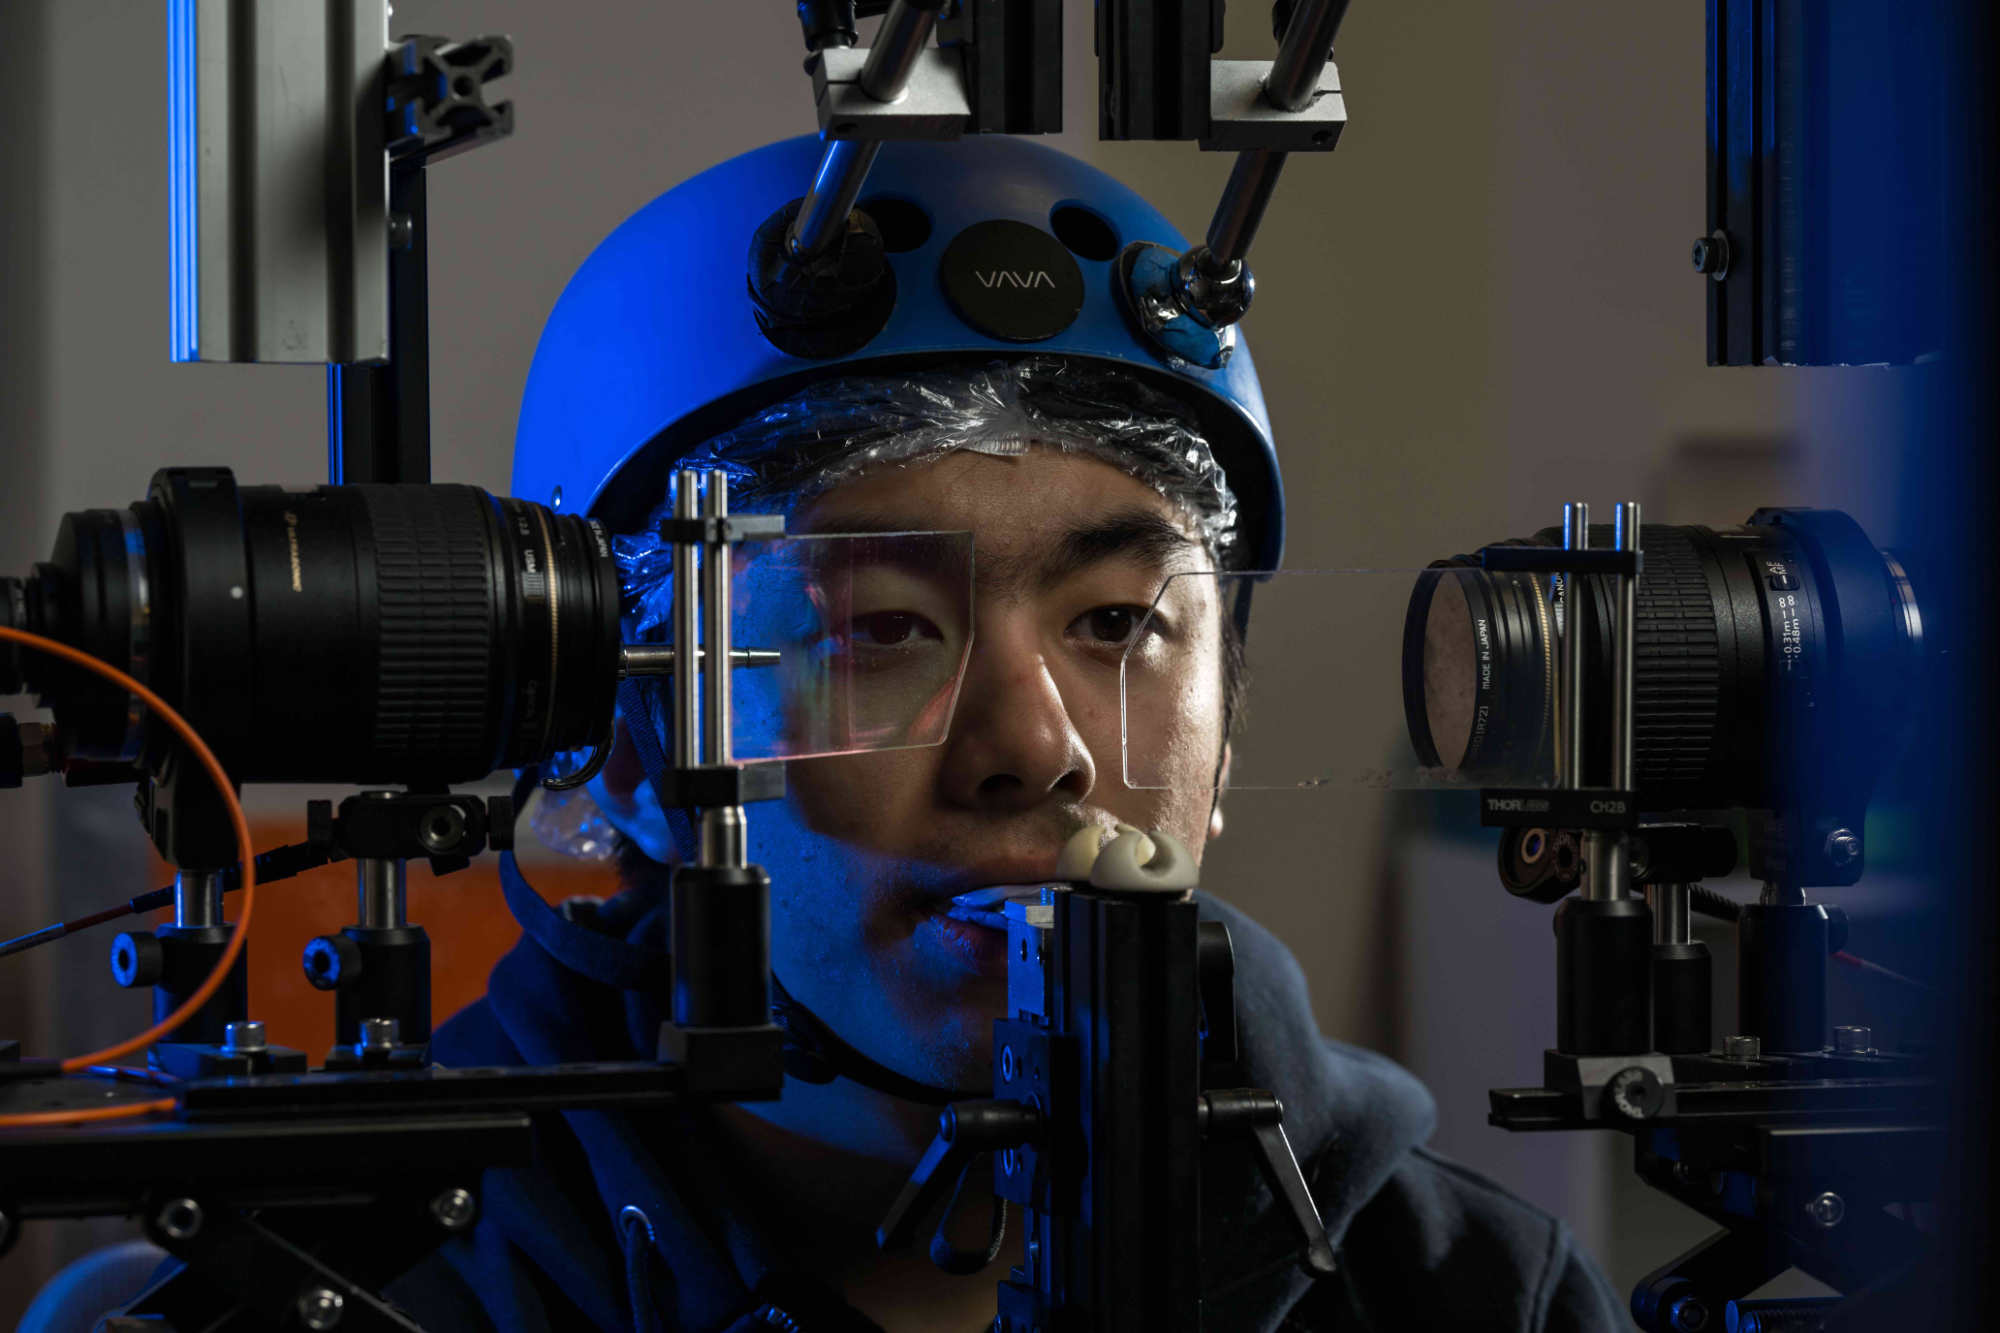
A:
(379, 1034)
(1710, 254)
(1854, 1040)
(1742, 1048)
(455, 1209)
(1688, 1314)
(1827, 1210)
(244, 1037)
(179, 1219)
(1843, 847)
(321, 1308)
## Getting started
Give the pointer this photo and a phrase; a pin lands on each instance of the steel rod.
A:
(381, 893)
(905, 32)
(1569, 699)
(1303, 53)
(1672, 923)
(715, 567)
(657, 659)
(1241, 208)
(822, 215)
(198, 899)
(844, 163)
(687, 627)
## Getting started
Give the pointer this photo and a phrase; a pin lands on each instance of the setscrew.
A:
(379, 1034)
(1827, 1210)
(244, 1037)
(454, 1209)
(1843, 847)
(1711, 255)
(321, 1308)
(180, 1219)
(402, 231)
(1688, 1314)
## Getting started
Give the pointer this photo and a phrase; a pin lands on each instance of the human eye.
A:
(1112, 626)
(891, 629)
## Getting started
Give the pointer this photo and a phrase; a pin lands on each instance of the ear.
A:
(1221, 786)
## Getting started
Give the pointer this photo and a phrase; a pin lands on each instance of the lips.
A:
(982, 907)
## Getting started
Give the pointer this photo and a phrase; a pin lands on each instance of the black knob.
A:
(136, 959)
(331, 961)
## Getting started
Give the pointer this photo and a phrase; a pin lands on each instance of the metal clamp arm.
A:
(965, 1130)
(1261, 1116)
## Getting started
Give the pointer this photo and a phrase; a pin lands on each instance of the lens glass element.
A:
(1321, 696)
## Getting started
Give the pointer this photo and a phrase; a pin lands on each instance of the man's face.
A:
(867, 851)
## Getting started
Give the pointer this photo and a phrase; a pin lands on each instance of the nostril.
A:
(1000, 784)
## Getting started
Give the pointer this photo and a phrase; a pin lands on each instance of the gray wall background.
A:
(1479, 306)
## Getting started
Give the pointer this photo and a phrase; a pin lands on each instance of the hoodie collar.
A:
(1352, 1116)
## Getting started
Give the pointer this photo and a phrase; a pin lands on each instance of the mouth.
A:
(983, 907)
(969, 929)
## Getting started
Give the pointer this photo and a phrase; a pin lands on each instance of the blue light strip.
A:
(183, 183)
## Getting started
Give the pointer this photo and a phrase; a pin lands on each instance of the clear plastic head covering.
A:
(785, 455)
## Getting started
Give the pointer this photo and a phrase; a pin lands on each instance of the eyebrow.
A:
(1132, 533)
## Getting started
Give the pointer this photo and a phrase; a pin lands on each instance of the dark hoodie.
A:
(635, 1223)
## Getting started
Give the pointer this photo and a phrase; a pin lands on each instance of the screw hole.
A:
(904, 225)
(1087, 235)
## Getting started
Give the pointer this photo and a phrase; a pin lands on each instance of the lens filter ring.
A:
(1478, 678)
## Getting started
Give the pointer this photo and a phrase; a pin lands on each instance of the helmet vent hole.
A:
(903, 225)
(1087, 235)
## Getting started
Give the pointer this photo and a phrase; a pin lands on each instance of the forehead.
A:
(1022, 510)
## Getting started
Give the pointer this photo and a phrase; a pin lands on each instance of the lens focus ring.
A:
(435, 632)
(1677, 685)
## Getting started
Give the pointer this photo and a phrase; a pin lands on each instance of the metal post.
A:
(722, 827)
(1302, 55)
(1624, 655)
(1294, 76)
(1671, 923)
(844, 163)
(198, 899)
(715, 569)
(687, 625)
(1569, 705)
(1241, 210)
(382, 893)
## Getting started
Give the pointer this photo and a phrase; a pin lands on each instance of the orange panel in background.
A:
(465, 915)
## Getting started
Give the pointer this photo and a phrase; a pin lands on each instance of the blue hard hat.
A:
(654, 345)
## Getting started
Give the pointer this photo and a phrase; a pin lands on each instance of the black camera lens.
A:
(1774, 666)
(354, 634)
(1481, 701)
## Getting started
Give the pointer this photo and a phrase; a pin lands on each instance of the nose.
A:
(1013, 744)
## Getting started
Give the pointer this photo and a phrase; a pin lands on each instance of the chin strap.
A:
(815, 1053)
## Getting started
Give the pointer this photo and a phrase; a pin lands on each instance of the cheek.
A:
(866, 801)
(1175, 748)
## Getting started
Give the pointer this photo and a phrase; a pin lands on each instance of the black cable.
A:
(278, 863)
